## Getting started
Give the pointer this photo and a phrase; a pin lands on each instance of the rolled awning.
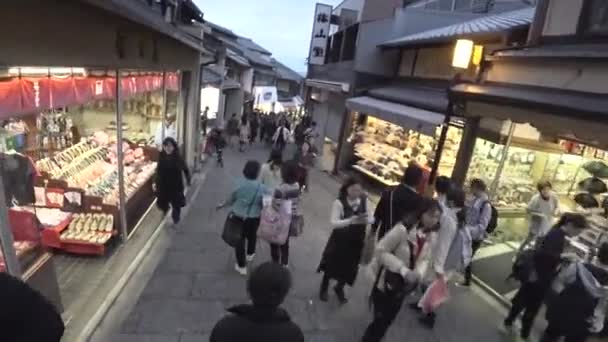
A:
(417, 119)
(337, 87)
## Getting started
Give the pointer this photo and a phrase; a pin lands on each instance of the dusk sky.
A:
(281, 26)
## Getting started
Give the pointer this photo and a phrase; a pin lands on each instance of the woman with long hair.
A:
(288, 190)
(350, 216)
(270, 174)
(443, 252)
(394, 266)
(246, 206)
(169, 184)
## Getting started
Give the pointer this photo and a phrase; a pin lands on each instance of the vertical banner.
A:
(320, 34)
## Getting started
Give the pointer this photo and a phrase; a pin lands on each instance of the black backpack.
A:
(493, 223)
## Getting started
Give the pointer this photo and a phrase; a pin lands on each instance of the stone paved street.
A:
(182, 297)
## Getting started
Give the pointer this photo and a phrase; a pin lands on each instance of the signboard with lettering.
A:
(320, 33)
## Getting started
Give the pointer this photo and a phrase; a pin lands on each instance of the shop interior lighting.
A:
(477, 54)
(31, 71)
(462, 53)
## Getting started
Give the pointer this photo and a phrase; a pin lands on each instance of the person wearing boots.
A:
(350, 216)
(547, 259)
(579, 308)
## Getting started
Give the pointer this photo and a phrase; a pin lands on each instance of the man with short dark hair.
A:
(264, 320)
(398, 201)
(443, 185)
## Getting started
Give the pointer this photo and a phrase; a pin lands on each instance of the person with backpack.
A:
(543, 266)
(394, 266)
(448, 251)
(482, 220)
(579, 306)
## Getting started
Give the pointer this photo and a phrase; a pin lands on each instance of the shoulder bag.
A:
(234, 225)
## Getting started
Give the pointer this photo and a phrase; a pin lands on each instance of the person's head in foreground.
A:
(268, 285)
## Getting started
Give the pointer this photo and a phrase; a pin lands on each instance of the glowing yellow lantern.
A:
(477, 54)
(462, 53)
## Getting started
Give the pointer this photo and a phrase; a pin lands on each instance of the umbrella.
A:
(593, 185)
(586, 200)
(596, 168)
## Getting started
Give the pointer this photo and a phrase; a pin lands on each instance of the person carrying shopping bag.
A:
(240, 230)
(394, 264)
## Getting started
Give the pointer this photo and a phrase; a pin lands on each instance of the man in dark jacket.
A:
(25, 315)
(405, 199)
(263, 321)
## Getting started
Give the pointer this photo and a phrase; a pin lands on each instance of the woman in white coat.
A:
(394, 267)
(443, 253)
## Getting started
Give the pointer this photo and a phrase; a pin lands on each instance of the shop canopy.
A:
(487, 26)
(562, 113)
(417, 119)
(337, 87)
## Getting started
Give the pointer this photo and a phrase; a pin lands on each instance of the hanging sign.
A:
(320, 34)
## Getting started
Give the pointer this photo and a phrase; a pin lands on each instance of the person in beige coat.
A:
(394, 266)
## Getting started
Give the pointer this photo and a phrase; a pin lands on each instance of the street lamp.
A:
(463, 53)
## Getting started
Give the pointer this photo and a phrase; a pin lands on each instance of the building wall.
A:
(577, 76)
(380, 9)
(368, 57)
(234, 102)
(82, 36)
(562, 17)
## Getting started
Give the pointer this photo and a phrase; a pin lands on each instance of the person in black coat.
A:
(405, 200)
(263, 320)
(169, 183)
(25, 315)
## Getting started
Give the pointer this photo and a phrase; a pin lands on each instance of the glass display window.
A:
(485, 160)
(383, 150)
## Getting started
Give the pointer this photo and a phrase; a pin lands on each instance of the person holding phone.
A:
(350, 216)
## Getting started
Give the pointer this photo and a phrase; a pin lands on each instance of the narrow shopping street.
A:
(195, 280)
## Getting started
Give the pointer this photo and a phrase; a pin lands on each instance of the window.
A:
(594, 19)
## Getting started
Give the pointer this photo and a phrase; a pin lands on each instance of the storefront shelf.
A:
(369, 174)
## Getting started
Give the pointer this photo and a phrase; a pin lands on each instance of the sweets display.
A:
(384, 150)
(92, 228)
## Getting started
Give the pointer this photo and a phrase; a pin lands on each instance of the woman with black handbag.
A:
(394, 267)
(240, 229)
(350, 217)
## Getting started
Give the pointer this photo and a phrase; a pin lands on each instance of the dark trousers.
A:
(176, 208)
(248, 241)
(325, 284)
(386, 308)
(528, 300)
(280, 253)
(554, 332)
(468, 272)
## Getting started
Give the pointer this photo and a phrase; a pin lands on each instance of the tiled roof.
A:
(481, 26)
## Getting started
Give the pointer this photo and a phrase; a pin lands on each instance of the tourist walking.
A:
(306, 158)
(246, 205)
(263, 320)
(289, 190)
(543, 207)
(244, 132)
(544, 267)
(254, 124)
(350, 216)
(280, 137)
(579, 307)
(232, 128)
(405, 200)
(478, 219)
(394, 266)
(447, 250)
(169, 182)
(270, 175)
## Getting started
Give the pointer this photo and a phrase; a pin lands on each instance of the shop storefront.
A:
(81, 121)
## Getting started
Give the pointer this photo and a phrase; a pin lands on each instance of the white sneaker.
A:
(250, 257)
(240, 270)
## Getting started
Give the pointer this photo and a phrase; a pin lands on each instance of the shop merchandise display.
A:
(90, 228)
(50, 217)
(384, 150)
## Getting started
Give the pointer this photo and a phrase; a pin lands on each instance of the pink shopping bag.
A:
(434, 296)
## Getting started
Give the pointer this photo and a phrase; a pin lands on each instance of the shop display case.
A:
(383, 150)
